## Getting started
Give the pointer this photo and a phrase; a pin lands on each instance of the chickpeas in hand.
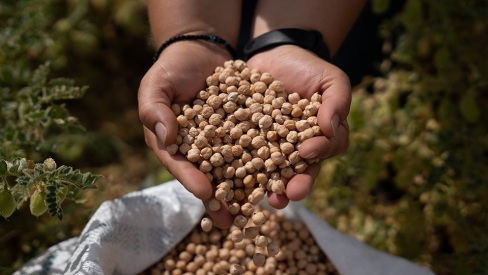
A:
(255, 142)
(245, 129)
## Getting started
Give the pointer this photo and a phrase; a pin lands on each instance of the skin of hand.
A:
(177, 77)
(174, 78)
(179, 74)
(305, 73)
(332, 18)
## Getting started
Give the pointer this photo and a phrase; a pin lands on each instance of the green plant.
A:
(79, 40)
(33, 115)
(43, 183)
(31, 123)
(413, 180)
(34, 124)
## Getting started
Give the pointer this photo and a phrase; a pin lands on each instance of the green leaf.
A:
(3, 166)
(380, 6)
(7, 203)
(469, 107)
(14, 169)
(442, 58)
(412, 15)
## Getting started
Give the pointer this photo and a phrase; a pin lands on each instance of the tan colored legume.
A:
(245, 129)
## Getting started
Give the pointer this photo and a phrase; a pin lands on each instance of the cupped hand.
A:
(176, 77)
(303, 72)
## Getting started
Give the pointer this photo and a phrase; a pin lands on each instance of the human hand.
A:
(303, 72)
(176, 77)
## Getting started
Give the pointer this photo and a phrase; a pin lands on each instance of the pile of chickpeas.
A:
(243, 132)
(214, 252)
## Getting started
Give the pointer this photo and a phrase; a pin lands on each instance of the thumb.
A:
(155, 109)
(336, 101)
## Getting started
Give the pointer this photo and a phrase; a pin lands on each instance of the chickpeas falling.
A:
(214, 252)
(244, 129)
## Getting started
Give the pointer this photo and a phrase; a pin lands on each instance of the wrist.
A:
(209, 41)
(171, 18)
(310, 40)
(331, 18)
(158, 38)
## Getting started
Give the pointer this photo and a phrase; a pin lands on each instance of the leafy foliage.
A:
(32, 118)
(413, 180)
(40, 41)
(57, 182)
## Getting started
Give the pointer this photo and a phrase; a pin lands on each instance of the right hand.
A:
(176, 77)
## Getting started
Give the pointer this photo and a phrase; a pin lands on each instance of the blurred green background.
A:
(413, 182)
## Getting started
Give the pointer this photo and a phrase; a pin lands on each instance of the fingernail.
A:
(161, 132)
(335, 124)
(311, 155)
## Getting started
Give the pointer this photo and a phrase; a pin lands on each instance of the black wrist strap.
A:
(189, 37)
(309, 40)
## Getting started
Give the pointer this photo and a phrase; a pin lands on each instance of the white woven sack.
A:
(129, 234)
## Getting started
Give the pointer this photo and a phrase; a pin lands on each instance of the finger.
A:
(321, 147)
(183, 170)
(277, 201)
(300, 185)
(336, 101)
(155, 107)
(220, 218)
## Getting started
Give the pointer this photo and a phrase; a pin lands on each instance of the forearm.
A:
(168, 18)
(333, 18)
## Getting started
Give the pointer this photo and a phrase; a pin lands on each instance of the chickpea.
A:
(277, 86)
(193, 155)
(258, 259)
(265, 121)
(206, 224)
(237, 235)
(240, 221)
(242, 114)
(255, 77)
(243, 131)
(258, 218)
(172, 149)
(214, 205)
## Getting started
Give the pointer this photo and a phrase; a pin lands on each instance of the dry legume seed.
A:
(214, 251)
(237, 235)
(247, 209)
(172, 149)
(221, 194)
(239, 195)
(244, 127)
(240, 221)
(234, 208)
(206, 224)
(214, 205)
(258, 218)
(261, 241)
(249, 181)
(278, 187)
(259, 259)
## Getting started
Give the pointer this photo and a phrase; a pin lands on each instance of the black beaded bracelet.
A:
(310, 40)
(192, 37)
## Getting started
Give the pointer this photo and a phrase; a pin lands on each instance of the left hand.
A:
(304, 73)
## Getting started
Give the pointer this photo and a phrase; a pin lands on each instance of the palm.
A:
(302, 72)
(298, 69)
(183, 70)
(177, 77)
